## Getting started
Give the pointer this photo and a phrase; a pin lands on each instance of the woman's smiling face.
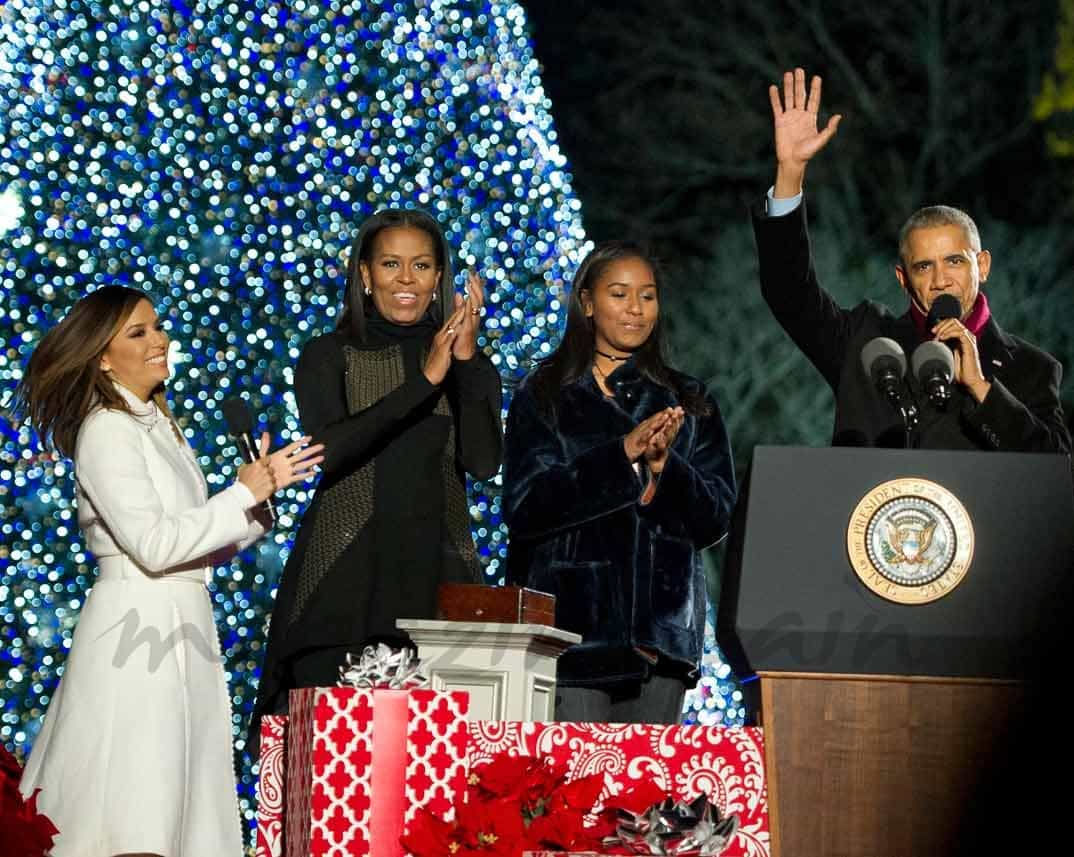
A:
(137, 356)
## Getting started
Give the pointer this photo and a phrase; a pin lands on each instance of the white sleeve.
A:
(111, 467)
(777, 207)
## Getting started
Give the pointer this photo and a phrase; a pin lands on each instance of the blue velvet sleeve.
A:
(548, 489)
(696, 491)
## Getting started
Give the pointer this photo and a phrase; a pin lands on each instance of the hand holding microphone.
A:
(265, 474)
(944, 322)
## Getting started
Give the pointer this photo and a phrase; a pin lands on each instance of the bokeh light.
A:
(221, 154)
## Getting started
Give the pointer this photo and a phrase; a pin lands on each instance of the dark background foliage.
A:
(663, 111)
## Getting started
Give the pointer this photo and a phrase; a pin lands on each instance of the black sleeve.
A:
(480, 402)
(320, 393)
(811, 317)
(696, 491)
(544, 489)
(1030, 421)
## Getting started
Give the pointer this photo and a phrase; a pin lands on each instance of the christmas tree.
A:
(221, 154)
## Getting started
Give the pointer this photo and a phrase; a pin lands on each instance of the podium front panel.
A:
(791, 600)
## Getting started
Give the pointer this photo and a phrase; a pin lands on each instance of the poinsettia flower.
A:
(429, 836)
(492, 828)
(504, 776)
(543, 780)
(549, 775)
(10, 774)
(27, 833)
(581, 794)
(561, 831)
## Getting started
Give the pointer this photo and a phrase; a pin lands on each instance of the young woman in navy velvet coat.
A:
(617, 472)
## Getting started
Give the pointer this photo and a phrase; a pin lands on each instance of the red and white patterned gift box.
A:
(270, 784)
(725, 763)
(360, 763)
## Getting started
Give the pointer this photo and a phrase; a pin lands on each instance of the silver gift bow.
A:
(383, 667)
(669, 828)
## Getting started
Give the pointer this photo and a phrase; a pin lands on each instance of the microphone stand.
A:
(909, 421)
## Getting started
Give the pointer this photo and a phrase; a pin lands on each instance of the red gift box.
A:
(725, 763)
(270, 783)
(360, 763)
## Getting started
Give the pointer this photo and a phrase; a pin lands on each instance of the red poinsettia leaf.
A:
(581, 794)
(504, 776)
(10, 774)
(543, 780)
(605, 824)
(429, 836)
(560, 831)
(492, 827)
(42, 823)
(638, 798)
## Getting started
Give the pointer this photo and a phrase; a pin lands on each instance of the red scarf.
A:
(974, 322)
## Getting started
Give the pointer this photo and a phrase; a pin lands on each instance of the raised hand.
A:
(287, 465)
(438, 361)
(465, 345)
(797, 139)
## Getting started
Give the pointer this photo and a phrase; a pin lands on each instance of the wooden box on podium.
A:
(496, 643)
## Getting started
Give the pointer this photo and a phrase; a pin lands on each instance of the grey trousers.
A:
(659, 699)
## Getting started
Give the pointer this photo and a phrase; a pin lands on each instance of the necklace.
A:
(602, 379)
(611, 357)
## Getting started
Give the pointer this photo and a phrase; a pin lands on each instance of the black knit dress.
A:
(389, 521)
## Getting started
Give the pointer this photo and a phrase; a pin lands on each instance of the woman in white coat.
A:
(135, 755)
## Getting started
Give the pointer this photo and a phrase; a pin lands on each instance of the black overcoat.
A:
(1021, 413)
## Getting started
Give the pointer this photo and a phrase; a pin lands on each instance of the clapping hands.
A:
(457, 338)
(652, 438)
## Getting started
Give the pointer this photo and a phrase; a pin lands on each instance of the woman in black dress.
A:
(406, 405)
(617, 472)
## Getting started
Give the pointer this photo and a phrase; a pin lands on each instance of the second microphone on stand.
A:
(933, 365)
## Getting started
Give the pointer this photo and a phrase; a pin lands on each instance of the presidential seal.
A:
(910, 541)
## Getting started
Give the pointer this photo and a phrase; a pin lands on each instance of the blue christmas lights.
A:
(221, 154)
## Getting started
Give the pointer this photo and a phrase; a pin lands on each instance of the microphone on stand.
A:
(934, 367)
(240, 425)
(885, 363)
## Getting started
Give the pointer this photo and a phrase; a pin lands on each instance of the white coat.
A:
(135, 754)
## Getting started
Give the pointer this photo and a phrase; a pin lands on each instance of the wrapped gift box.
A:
(727, 764)
(360, 763)
(269, 841)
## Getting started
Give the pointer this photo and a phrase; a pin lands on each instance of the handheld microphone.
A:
(944, 307)
(934, 367)
(240, 425)
(885, 363)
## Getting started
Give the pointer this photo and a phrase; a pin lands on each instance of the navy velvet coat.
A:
(625, 576)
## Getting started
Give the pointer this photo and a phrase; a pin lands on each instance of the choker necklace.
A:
(611, 357)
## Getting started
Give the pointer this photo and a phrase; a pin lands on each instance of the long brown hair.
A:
(64, 381)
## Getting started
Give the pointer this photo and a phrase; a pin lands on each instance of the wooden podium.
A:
(883, 720)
